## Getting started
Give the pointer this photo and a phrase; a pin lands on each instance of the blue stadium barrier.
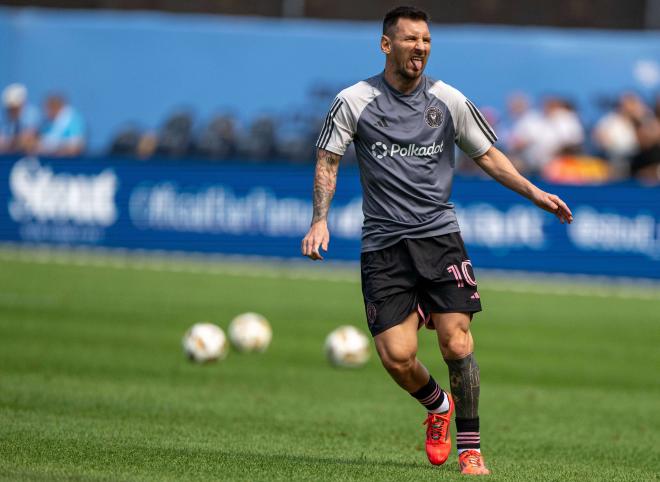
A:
(265, 210)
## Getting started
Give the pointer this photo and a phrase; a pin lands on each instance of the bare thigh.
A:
(398, 342)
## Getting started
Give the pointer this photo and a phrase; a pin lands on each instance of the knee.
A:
(457, 345)
(400, 363)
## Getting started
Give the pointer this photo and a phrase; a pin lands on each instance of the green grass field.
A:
(93, 384)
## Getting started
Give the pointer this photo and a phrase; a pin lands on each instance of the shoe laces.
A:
(436, 427)
(471, 457)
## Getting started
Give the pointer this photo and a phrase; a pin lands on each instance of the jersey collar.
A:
(417, 89)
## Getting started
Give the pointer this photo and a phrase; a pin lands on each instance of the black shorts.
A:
(427, 275)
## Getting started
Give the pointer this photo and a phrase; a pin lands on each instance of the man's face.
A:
(408, 46)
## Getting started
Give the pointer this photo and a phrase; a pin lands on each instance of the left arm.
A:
(499, 167)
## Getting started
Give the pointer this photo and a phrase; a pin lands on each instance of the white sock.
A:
(444, 406)
(460, 451)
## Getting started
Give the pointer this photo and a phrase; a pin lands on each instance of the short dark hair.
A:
(395, 14)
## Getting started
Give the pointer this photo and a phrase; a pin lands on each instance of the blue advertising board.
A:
(265, 210)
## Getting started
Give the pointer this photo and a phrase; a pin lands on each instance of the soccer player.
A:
(414, 265)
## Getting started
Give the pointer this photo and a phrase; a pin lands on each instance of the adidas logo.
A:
(382, 122)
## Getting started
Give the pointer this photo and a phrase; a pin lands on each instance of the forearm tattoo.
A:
(325, 182)
(464, 382)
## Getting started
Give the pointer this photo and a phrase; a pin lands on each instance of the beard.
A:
(409, 74)
(406, 68)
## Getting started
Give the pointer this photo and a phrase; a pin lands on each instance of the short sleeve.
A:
(338, 128)
(474, 135)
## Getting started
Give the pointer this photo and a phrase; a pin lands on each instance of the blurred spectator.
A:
(615, 135)
(536, 138)
(296, 136)
(524, 138)
(174, 139)
(577, 169)
(564, 141)
(218, 139)
(20, 124)
(565, 131)
(147, 145)
(126, 142)
(645, 164)
(258, 144)
(64, 131)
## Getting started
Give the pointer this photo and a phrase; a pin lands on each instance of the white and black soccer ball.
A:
(347, 347)
(250, 332)
(205, 342)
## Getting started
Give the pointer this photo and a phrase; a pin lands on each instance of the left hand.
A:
(553, 204)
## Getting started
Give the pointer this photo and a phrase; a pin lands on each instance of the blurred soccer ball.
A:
(347, 347)
(250, 332)
(205, 342)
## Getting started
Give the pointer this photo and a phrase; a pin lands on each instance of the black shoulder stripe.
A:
(480, 125)
(326, 123)
(328, 134)
(488, 126)
(483, 123)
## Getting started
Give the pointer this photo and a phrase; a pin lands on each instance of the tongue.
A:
(417, 64)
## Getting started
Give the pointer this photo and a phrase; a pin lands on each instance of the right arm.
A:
(325, 183)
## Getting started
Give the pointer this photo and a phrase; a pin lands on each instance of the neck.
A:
(405, 85)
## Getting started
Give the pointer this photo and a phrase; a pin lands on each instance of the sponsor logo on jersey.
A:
(433, 117)
(380, 150)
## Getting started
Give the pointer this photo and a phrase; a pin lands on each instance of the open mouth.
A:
(417, 62)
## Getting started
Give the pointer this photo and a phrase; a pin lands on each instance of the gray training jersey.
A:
(405, 149)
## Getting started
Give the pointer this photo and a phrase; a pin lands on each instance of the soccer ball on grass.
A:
(250, 332)
(347, 347)
(205, 342)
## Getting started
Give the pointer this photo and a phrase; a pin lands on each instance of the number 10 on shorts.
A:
(462, 275)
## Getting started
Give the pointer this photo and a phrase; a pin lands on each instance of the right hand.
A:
(317, 237)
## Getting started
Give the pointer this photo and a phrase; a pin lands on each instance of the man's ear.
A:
(385, 44)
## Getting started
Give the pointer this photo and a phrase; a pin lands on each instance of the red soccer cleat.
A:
(471, 463)
(438, 440)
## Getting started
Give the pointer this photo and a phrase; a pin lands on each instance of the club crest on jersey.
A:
(433, 117)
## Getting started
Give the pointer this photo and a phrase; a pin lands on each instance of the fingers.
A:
(562, 205)
(562, 210)
(310, 248)
(316, 254)
(311, 244)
